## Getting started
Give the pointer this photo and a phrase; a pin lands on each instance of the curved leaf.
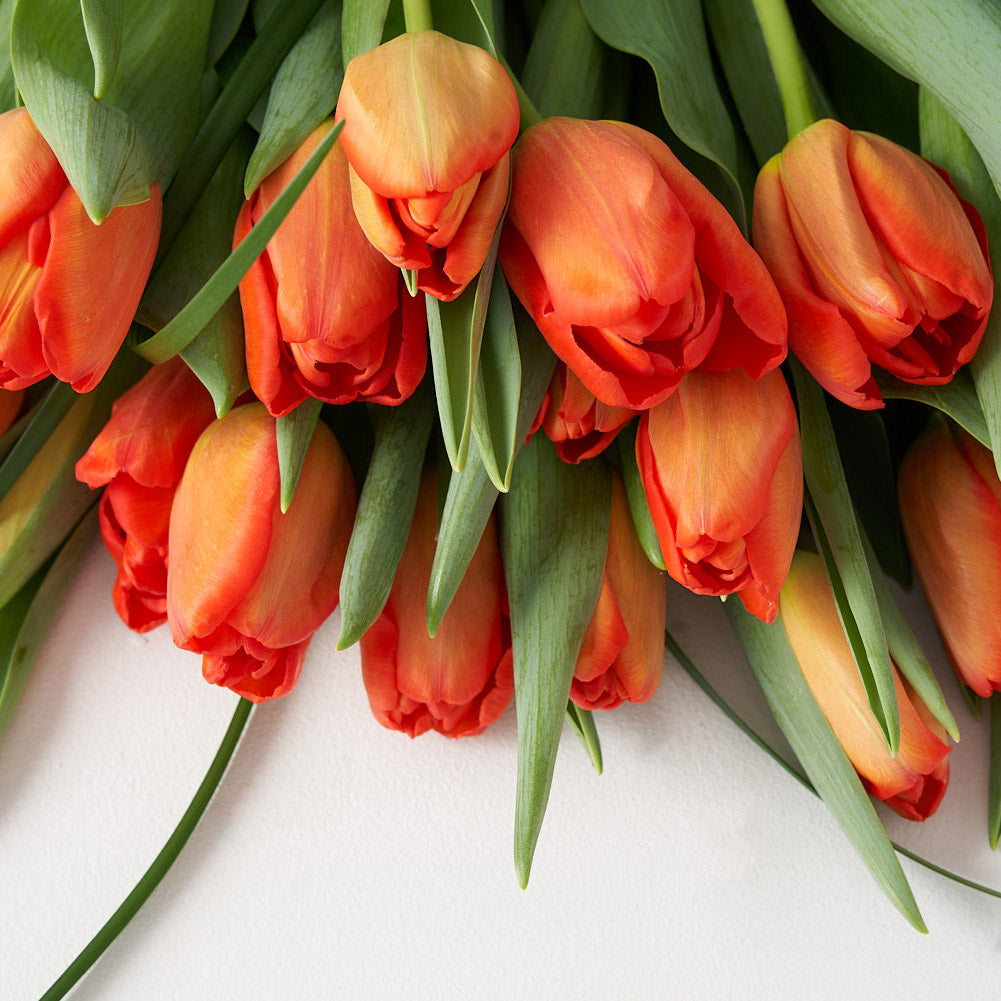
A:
(362, 22)
(636, 496)
(956, 399)
(293, 433)
(582, 722)
(102, 22)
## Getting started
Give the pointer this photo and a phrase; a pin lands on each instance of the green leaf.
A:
(582, 722)
(361, 26)
(554, 537)
(192, 319)
(471, 494)
(227, 16)
(25, 619)
(293, 433)
(832, 516)
(563, 71)
(103, 24)
(636, 495)
(216, 355)
(303, 93)
(114, 149)
(8, 96)
(994, 777)
(949, 46)
(498, 388)
(956, 399)
(671, 37)
(811, 738)
(385, 511)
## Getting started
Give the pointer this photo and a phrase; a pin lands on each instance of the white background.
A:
(342, 860)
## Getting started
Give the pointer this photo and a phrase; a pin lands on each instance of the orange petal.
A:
(30, 177)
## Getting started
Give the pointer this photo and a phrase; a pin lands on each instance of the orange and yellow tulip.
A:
(913, 783)
(68, 288)
(325, 314)
(722, 471)
(877, 258)
(247, 586)
(428, 122)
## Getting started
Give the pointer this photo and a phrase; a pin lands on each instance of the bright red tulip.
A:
(622, 655)
(68, 289)
(950, 505)
(247, 586)
(325, 314)
(461, 680)
(428, 122)
(877, 258)
(722, 472)
(634, 273)
(139, 458)
(913, 782)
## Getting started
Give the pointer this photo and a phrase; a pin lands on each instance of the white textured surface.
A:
(341, 860)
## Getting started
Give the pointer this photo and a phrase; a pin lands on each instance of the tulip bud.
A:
(139, 458)
(68, 289)
(877, 258)
(428, 122)
(622, 655)
(913, 783)
(247, 586)
(722, 472)
(950, 506)
(633, 272)
(460, 680)
(325, 314)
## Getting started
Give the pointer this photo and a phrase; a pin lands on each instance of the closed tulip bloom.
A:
(580, 426)
(428, 122)
(460, 680)
(325, 314)
(877, 258)
(139, 459)
(913, 783)
(950, 506)
(247, 586)
(622, 655)
(633, 272)
(68, 288)
(722, 472)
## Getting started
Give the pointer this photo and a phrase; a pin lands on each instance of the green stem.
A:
(417, 15)
(787, 64)
(168, 855)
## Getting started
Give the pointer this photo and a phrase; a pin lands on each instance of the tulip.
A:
(633, 272)
(721, 468)
(580, 426)
(68, 288)
(139, 458)
(877, 258)
(913, 783)
(622, 654)
(460, 680)
(950, 506)
(247, 586)
(325, 314)
(428, 122)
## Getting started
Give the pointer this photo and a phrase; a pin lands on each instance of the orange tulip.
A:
(877, 258)
(428, 122)
(325, 314)
(633, 272)
(950, 505)
(139, 458)
(722, 472)
(68, 288)
(461, 680)
(912, 783)
(622, 655)
(247, 586)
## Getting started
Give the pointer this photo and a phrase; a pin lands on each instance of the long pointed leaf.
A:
(811, 738)
(554, 536)
(638, 507)
(293, 433)
(361, 26)
(582, 722)
(957, 399)
(102, 21)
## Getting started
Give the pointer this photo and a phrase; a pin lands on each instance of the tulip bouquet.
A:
(477, 321)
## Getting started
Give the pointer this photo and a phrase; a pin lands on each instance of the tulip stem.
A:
(417, 15)
(787, 63)
(168, 854)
